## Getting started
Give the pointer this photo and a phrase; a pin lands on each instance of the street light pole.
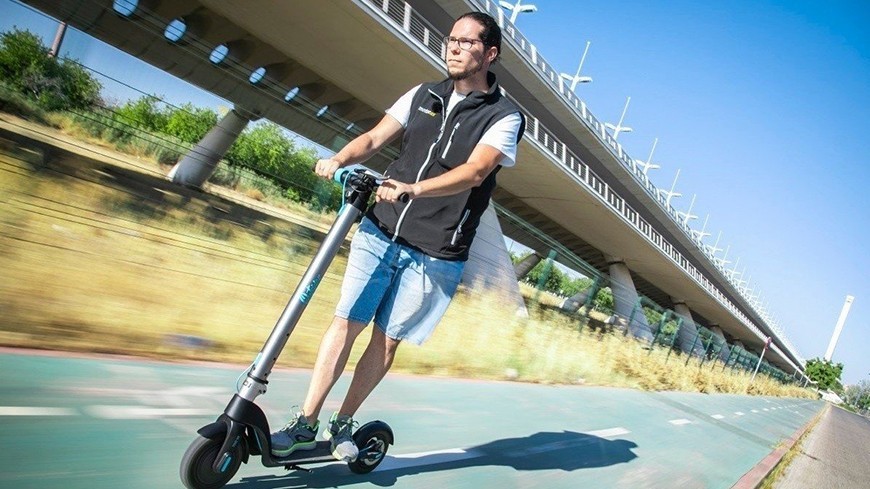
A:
(766, 344)
(618, 128)
(577, 78)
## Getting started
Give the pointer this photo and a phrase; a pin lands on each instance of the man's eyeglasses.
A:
(463, 43)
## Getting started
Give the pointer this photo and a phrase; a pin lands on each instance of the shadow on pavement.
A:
(567, 451)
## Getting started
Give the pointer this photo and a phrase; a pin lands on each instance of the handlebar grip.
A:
(340, 175)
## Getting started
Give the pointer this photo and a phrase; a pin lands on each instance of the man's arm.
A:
(361, 148)
(483, 160)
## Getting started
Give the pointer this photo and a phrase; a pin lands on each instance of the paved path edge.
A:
(757, 474)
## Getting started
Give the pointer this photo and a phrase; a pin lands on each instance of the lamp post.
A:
(671, 193)
(648, 164)
(516, 9)
(766, 344)
(577, 78)
(618, 128)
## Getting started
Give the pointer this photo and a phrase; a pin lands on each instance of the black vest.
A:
(433, 144)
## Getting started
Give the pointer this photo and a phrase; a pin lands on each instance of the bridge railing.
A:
(406, 19)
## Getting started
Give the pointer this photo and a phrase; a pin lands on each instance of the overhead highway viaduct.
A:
(327, 69)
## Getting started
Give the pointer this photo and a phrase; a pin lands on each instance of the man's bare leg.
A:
(371, 368)
(332, 357)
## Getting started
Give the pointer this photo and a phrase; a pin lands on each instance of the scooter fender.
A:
(371, 426)
(218, 430)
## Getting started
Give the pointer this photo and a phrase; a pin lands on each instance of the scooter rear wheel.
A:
(373, 443)
(196, 465)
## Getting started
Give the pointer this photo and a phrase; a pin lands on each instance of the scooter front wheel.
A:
(196, 465)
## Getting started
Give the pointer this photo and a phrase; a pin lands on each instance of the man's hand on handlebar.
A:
(326, 168)
(394, 191)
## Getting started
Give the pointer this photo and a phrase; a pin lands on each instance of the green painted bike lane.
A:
(109, 423)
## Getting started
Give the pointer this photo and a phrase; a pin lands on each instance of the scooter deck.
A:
(322, 452)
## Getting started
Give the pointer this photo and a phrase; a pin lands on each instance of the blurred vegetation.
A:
(54, 84)
(61, 92)
(192, 271)
(560, 283)
(826, 373)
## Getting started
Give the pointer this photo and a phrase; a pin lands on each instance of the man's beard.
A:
(462, 75)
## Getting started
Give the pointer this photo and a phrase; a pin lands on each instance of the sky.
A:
(761, 105)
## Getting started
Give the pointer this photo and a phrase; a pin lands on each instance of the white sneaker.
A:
(339, 432)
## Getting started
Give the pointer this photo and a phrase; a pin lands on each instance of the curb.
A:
(757, 474)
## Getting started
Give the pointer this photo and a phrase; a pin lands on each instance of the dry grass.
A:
(94, 263)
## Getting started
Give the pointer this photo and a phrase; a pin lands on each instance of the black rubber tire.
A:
(378, 438)
(196, 471)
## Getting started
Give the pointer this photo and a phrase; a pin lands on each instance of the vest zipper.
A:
(449, 141)
(425, 163)
(458, 232)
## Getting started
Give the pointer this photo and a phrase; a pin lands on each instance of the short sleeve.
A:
(401, 110)
(503, 137)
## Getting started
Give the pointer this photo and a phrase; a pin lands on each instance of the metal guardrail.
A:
(419, 31)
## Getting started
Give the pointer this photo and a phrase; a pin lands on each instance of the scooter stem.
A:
(255, 383)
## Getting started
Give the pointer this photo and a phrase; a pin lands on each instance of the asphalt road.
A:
(79, 422)
(834, 455)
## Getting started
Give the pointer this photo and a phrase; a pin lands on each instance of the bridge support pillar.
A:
(686, 336)
(489, 267)
(582, 298)
(625, 299)
(738, 343)
(716, 330)
(198, 164)
(525, 266)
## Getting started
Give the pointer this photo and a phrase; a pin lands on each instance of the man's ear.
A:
(492, 54)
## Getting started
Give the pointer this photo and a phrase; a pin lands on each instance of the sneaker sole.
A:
(299, 446)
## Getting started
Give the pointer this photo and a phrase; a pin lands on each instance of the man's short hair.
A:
(491, 35)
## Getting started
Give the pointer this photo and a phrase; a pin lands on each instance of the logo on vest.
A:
(427, 111)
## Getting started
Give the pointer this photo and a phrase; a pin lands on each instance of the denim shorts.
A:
(404, 290)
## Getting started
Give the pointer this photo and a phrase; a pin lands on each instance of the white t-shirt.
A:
(502, 135)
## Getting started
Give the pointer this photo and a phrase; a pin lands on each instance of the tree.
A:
(604, 300)
(190, 124)
(267, 150)
(554, 280)
(53, 83)
(573, 287)
(825, 373)
(143, 113)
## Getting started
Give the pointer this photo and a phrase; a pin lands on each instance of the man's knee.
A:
(352, 328)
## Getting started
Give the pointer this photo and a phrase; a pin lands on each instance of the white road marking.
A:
(738, 413)
(717, 416)
(618, 431)
(35, 411)
(755, 410)
(679, 422)
(142, 412)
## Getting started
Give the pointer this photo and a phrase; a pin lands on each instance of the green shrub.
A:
(12, 102)
(54, 84)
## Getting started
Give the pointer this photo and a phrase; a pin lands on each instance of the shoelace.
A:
(346, 427)
(293, 422)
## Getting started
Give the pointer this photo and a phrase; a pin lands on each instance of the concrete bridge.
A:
(327, 69)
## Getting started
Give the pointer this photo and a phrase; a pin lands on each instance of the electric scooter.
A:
(213, 458)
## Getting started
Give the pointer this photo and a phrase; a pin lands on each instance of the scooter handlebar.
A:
(342, 174)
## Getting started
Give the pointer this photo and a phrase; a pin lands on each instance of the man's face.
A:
(464, 63)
